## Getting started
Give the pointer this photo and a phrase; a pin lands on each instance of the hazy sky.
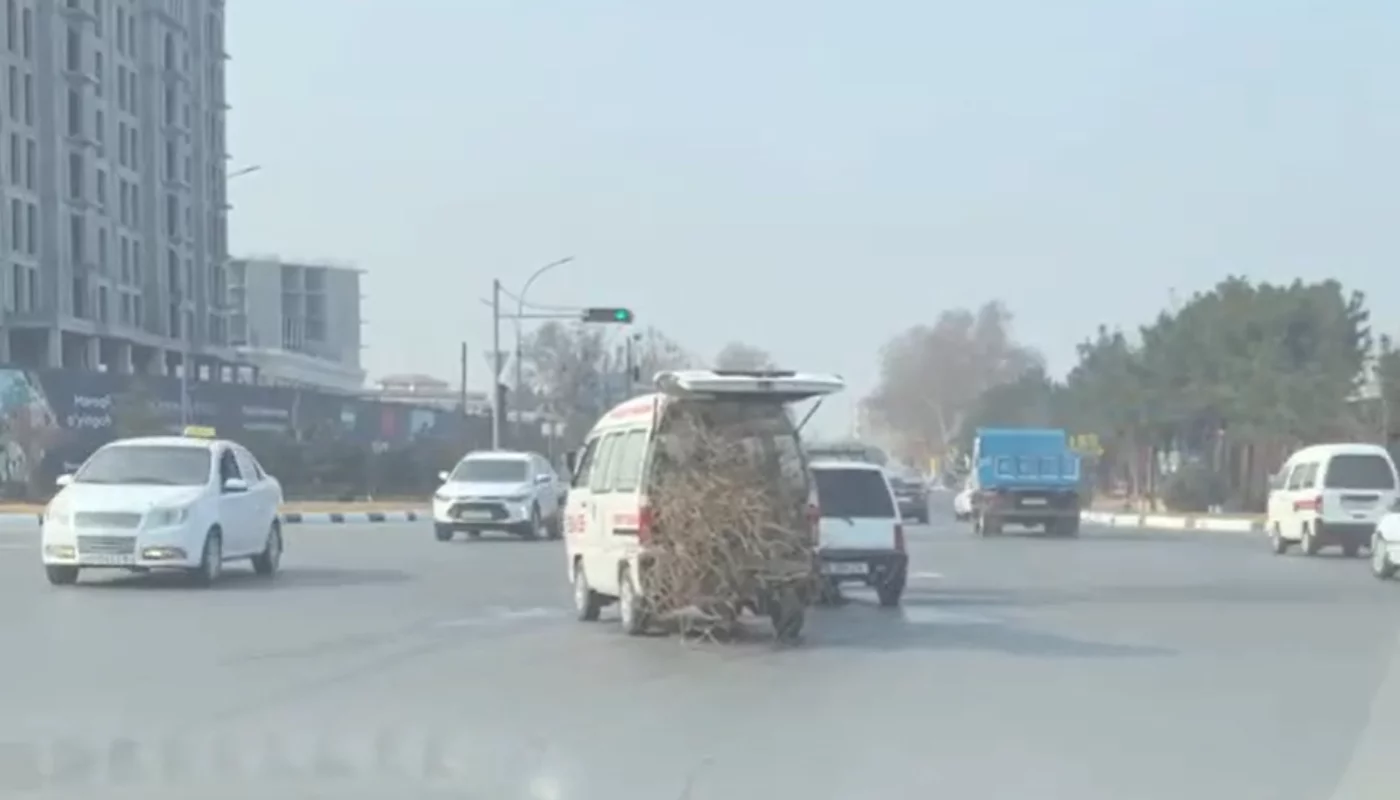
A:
(814, 176)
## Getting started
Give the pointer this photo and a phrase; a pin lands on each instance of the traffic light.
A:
(616, 315)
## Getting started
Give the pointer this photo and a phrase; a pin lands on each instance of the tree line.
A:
(1192, 411)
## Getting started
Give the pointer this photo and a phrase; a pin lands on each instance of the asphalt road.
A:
(1121, 665)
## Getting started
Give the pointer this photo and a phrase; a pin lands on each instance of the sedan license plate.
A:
(473, 515)
(1033, 501)
(107, 560)
(845, 568)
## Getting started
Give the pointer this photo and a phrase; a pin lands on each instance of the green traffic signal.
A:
(620, 315)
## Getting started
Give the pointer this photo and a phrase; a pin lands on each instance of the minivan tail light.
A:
(1311, 504)
(898, 538)
(644, 522)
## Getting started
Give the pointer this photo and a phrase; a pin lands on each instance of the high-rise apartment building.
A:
(113, 165)
(297, 323)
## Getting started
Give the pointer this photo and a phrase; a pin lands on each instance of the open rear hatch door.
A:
(773, 386)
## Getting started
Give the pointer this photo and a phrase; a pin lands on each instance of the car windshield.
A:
(1359, 472)
(491, 470)
(150, 465)
(847, 493)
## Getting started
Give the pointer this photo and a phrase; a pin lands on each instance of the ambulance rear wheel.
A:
(631, 609)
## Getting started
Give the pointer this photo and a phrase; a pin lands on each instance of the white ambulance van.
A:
(1331, 495)
(607, 518)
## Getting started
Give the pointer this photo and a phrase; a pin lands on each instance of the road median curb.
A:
(288, 517)
(1175, 522)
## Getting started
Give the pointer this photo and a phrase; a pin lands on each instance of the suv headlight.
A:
(166, 517)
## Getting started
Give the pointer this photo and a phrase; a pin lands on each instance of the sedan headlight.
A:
(167, 517)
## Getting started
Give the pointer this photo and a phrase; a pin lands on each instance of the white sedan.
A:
(174, 502)
(1385, 546)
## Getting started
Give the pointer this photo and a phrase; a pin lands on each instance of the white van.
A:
(607, 518)
(861, 533)
(1331, 494)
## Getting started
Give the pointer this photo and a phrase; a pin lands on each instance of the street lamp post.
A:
(519, 314)
(186, 417)
(497, 362)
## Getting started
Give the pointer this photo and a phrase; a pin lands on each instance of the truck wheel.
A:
(986, 526)
(1066, 528)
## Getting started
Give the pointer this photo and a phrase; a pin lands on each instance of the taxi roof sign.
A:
(199, 432)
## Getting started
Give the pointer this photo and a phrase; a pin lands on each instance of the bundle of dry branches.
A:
(730, 530)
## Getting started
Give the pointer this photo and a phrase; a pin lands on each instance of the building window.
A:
(31, 164)
(77, 234)
(172, 215)
(75, 50)
(31, 224)
(27, 33)
(75, 175)
(75, 113)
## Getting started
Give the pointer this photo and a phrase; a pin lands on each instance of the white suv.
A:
(494, 490)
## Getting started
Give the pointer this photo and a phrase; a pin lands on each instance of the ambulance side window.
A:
(629, 471)
(610, 459)
(598, 472)
(585, 463)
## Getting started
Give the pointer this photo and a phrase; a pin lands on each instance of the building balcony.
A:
(77, 11)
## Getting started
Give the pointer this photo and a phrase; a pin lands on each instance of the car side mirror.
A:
(571, 460)
(442, 476)
(235, 485)
(63, 480)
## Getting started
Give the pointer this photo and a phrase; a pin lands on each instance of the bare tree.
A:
(564, 365)
(740, 356)
(577, 371)
(932, 376)
(656, 352)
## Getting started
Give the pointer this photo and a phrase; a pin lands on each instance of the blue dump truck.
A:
(1027, 477)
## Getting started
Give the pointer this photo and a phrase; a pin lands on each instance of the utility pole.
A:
(495, 364)
(464, 379)
(185, 415)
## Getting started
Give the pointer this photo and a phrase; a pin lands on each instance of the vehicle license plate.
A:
(106, 560)
(473, 514)
(845, 568)
(1033, 501)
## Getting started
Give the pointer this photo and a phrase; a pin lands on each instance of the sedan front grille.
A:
(107, 545)
(106, 519)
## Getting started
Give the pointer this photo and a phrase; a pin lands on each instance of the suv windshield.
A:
(846, 493)
(491, 470)
(148, 465)
(1359, 472)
